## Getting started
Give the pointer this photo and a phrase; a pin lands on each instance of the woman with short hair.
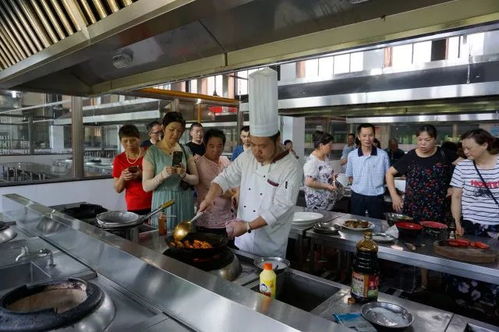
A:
(475, 197)
(127, 171)
(209, 166)
(320, 189)
(165, 179)
(428, 170)
(475, 183)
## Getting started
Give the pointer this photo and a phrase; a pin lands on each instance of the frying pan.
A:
(218, 242)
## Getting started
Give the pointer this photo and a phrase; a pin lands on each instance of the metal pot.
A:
(126, 223)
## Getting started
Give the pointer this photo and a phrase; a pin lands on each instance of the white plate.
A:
(306, 218)
(371, 226)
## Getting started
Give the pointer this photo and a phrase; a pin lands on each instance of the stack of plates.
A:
(306, 218)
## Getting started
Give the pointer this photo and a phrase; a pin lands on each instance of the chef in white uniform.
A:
(269, 177)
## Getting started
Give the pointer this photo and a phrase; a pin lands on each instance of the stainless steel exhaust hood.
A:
(83, 47)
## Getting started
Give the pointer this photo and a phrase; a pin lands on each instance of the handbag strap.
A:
(185, 155)
(485, 183)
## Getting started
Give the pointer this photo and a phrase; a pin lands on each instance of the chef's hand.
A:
(126, 175)
(235, 228)
(459, 229)
(397, 203)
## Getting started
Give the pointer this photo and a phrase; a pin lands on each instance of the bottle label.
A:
(365, 285)
(266, 289)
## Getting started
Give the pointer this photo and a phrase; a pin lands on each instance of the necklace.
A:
(134, 161)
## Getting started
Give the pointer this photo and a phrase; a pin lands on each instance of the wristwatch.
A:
(248, 227)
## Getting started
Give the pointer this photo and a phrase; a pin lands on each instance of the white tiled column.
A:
(293, 128)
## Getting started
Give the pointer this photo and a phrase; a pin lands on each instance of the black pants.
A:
(373, 204)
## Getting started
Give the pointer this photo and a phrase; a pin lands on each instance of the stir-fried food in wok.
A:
(356, 223)
(194, 244)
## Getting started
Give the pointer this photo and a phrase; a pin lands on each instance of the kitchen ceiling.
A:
(146, 42)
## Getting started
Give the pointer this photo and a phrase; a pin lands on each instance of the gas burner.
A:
(70, 305)
(3, 226)
(223, 263)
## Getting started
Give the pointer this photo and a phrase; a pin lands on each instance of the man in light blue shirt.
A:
(366, 168)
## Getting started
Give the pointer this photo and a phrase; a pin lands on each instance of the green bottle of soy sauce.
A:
(365, 272)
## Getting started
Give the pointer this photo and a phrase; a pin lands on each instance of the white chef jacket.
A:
(269, 191)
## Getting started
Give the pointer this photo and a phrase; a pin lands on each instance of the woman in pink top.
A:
(209, 166)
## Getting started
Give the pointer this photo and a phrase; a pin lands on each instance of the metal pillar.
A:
(77, 137)
(31, 145)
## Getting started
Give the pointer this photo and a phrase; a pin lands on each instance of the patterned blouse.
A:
(321, 171)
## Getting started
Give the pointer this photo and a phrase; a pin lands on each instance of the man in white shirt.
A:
(268, 176)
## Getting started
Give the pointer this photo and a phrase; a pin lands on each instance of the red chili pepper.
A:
(459, 243)
(480, 245)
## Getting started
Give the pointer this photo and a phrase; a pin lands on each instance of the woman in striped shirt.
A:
(475, 184)
(475, 195)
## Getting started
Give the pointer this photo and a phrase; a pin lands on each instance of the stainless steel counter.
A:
(196, 299)
(177, 296)
(423, 256)
(425, 318)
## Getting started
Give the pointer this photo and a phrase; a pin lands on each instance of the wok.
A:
(124, 219)
(217, 241)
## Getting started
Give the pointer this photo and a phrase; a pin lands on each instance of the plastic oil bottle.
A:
(365, 274)
(268, 281)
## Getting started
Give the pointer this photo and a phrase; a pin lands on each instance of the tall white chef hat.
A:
(262, 93)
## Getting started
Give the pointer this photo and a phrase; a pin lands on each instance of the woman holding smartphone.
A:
(127, 171)
(167, 167)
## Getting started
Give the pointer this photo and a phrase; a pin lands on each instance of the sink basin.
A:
(20, 274)
(301, 291)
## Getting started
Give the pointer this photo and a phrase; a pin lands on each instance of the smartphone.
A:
(177, 158)
(133, 169)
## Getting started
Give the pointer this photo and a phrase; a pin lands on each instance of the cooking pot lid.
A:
(117, 219)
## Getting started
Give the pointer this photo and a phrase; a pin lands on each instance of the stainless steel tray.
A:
(387, 315)
(278, 263)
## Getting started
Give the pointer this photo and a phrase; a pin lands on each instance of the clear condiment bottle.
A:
(162, 223)
(365, 274)
(268, 280)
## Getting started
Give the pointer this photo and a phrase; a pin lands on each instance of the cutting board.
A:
(469, 254)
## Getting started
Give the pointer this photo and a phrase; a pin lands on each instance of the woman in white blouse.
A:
(320, 190)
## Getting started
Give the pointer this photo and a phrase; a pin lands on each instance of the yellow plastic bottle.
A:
(268, 281)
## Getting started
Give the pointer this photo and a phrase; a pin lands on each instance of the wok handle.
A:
(158, 209)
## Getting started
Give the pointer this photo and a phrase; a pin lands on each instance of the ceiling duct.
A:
(29, 27)
(67, 46)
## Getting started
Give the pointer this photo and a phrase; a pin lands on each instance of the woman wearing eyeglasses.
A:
(475, 199)
(475, 182)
